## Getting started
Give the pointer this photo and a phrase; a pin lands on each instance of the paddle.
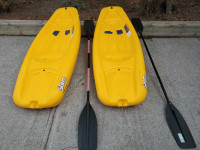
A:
(87, 125)
(175, 121)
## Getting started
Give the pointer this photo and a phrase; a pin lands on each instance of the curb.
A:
(151, 28)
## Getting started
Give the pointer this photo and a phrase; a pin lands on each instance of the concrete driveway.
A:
(141, 127)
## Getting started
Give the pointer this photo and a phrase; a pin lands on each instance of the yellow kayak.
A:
(49, 62)
(118, 62)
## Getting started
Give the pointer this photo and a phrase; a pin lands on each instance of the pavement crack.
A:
(48, 118)
(49, 126)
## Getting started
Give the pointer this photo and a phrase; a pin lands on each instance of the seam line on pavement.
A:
(51, 124)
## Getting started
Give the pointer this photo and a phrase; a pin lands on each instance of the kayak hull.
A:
(48, 65)
(118, 63)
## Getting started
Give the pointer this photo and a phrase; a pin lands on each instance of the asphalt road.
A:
(141, 127)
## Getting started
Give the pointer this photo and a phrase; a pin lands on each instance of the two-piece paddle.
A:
(175, 121)
(87, 125)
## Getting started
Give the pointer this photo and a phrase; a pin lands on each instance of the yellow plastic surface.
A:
(49, 62)
(118, 62)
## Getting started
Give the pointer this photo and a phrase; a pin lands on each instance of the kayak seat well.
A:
(118, 81)
(52, 48)
(115, 51)
(42, 79)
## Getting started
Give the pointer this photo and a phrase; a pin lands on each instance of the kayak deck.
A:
(118, 62)
(49, 63)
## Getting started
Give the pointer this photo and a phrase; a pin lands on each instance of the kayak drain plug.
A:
(122, 103)
(33, 105)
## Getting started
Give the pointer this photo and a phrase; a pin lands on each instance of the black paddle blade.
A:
(179, 128)
(88, 26)
(87, 129)
(137, 24)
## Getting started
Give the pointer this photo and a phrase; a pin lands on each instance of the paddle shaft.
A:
(88, 71)
(88, 88)
(154, 67)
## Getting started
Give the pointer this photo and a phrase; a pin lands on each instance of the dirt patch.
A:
(183, 10)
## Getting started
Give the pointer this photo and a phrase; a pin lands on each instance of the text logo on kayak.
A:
(145, 81)
(62, 83)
